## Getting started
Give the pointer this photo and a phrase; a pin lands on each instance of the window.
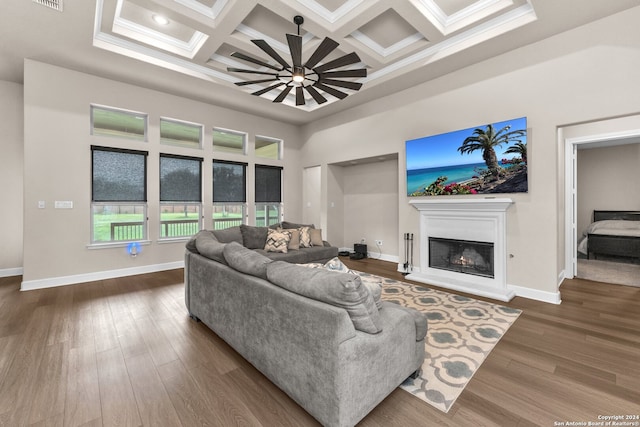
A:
(268, 148)
(229, 194)
(118, 195)
(113, 122)
(180, 195)
(268, 195)
(183, 134)
(229, 141)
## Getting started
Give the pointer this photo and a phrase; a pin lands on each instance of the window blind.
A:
(118, 175)
(180, 178)
(229, 182)
(268, 184)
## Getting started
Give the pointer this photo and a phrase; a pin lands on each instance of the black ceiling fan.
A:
(308, 76)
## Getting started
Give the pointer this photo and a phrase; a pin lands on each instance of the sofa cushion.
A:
(338, 289)
(253, 237)
(246, 260)
(277, 241)
(231, 234)
(208, 246)
(287, 225)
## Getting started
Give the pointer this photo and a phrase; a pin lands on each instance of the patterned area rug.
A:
(462, 332)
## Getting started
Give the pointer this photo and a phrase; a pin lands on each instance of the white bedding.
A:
(609, 227)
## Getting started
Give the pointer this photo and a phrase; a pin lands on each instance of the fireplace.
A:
(463, 245)
(461, 256)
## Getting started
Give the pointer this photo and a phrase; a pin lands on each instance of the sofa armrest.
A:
(419, 318)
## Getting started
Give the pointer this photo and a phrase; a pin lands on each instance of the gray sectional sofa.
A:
(321, 336)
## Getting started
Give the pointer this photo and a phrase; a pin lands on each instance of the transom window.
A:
(268, 148)
(180, 133)
(114, 122)
(229, 141)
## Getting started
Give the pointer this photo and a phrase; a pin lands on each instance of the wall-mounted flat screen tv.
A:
(485, 159)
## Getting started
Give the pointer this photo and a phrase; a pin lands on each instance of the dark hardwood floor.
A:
(123, 352)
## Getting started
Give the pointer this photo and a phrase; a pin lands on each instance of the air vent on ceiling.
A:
(53, 4)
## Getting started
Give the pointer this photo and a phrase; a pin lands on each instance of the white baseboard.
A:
(99, 275)
(535, 294)
(8, 272)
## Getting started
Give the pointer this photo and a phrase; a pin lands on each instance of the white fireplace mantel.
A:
(486, 204)
(482, 220)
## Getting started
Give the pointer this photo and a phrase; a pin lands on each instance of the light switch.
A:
(63, 204)
(42, 204)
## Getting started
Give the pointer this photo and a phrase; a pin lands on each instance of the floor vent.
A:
(53, 4)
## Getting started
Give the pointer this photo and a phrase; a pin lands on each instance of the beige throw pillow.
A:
(294, 241)
(277, 241)
(316, 237)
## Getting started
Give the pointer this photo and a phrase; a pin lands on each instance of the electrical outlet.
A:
(379, 242)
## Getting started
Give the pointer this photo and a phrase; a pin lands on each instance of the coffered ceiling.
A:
(400, 42)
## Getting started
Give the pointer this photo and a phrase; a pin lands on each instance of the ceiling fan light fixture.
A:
(298, 74)
(294, 74)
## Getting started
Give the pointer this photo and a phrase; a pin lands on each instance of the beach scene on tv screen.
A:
(485, 159)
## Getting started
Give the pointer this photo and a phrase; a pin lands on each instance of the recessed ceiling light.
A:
(160, 20)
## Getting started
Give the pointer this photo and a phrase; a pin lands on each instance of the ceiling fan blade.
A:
(283, 94)
(360, 72)
(326, 47)
(342, 83)
(272, 53)
(331, 91)
(242, 70)
(351, 58)
(250, 82)
(316, 95)
(295, 47)
(299, 95)
(248, 58)
(267, 89)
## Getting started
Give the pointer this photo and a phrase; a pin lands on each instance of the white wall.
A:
(57, 163)
(11, 167)
(370, 207)
(607, 179)
(586, 74)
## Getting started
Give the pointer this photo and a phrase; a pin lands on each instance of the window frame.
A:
(242, 203)
(259, 202)
(174, 203)
(143, 116)
(278, 141)
(186, 123)
(143, 202)
(245, 139)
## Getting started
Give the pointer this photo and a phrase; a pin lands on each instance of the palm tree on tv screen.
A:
(486, 140)
(518, 148)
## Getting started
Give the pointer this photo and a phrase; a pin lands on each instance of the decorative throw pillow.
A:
(294, 241)
(316, 237)
(277, 241)
(305, 237)
(253, 237)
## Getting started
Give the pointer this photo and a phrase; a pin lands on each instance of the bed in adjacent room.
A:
(612, 234)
